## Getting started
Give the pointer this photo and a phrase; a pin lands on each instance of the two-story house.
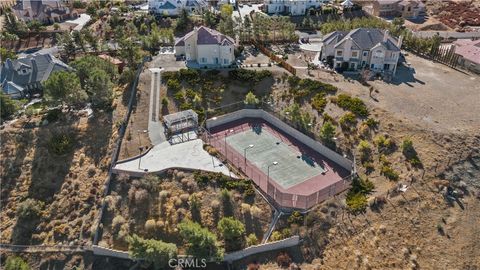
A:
(205, 47)
(45, 11)
(394, 8)
(361, 48)
(292, 7)
(174, 7)
(23, 77)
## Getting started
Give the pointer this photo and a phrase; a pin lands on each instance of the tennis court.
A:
(293, 167)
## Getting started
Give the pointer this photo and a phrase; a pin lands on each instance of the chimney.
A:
(385, 35)
(400, 42)
(9, 63)
(34, 65)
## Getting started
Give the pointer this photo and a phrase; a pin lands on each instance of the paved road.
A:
(156, 130)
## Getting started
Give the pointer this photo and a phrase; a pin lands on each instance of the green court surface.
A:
(292, 168)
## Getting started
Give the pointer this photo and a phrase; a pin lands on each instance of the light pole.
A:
(268, 170)
(226, 133)
(245, 154)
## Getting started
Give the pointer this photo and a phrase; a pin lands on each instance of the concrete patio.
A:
(187, 155)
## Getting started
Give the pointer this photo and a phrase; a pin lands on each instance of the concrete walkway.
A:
(187, 155)
(155, 127)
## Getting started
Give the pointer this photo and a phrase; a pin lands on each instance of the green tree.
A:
(154, 251)
(35, 26)
(16, 263)
(7, 54)
(63, 87)
(252, 240)
(227, 26)
(100, 88)
(29, 209)
(69, 48)
(232, 231)
(130, 51)
(200, 242)
(85, 65)
(327, 133)
(226, 10)
(209, 18)
(7, 106)
(251, 99)
(183, 21)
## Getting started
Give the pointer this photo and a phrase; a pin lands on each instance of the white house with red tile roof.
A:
(206, 47)
(469, 52)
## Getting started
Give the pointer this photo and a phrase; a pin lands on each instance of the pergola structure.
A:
(181, 121)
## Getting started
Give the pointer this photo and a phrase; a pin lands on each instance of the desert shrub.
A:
(348, 120)
(252, 240)
(141, 197)
(372, 123)
(286, 232)
(8, 106)
(319, 102)
(164, 194)
(284, 260)
(61, 143)
(225, 195)
(215, 204)
(251, 99)
(170, 75)
(388, 172)
(410, 153)
(355, 105)
(365, 150)
(276, 236)
(165, 102)
(255, 211)
(246, 75)
(173, 85)
(384, 145)
(200, 242)
(150, 225)
(301, 88)
(150, 250)
(245, 208)
(16, 263)
(295, 218)
(117, 223)
(184, 197)
(29, 209)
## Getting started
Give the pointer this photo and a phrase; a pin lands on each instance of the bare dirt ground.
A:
(432, 95)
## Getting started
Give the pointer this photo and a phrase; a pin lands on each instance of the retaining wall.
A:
(257, 113)
(285, 243)
(103, 251)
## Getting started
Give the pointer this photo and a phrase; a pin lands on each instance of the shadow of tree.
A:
(96, 148)
(49, 169)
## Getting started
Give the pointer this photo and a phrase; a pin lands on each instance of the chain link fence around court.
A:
(266, 183)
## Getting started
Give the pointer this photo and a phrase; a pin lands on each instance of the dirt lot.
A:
(432, 95)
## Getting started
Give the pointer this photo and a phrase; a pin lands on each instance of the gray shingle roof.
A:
(207, 36)
(367, 38)
(31, 69)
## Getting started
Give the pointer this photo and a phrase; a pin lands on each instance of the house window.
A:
(354, 54)
(339, 53)
(352, 65)
(225, 61)
(365, 54)
(203, 60)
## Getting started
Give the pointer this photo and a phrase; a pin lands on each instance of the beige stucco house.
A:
(205, 47)
(362, 48)
(45, 11)
(394, 8)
